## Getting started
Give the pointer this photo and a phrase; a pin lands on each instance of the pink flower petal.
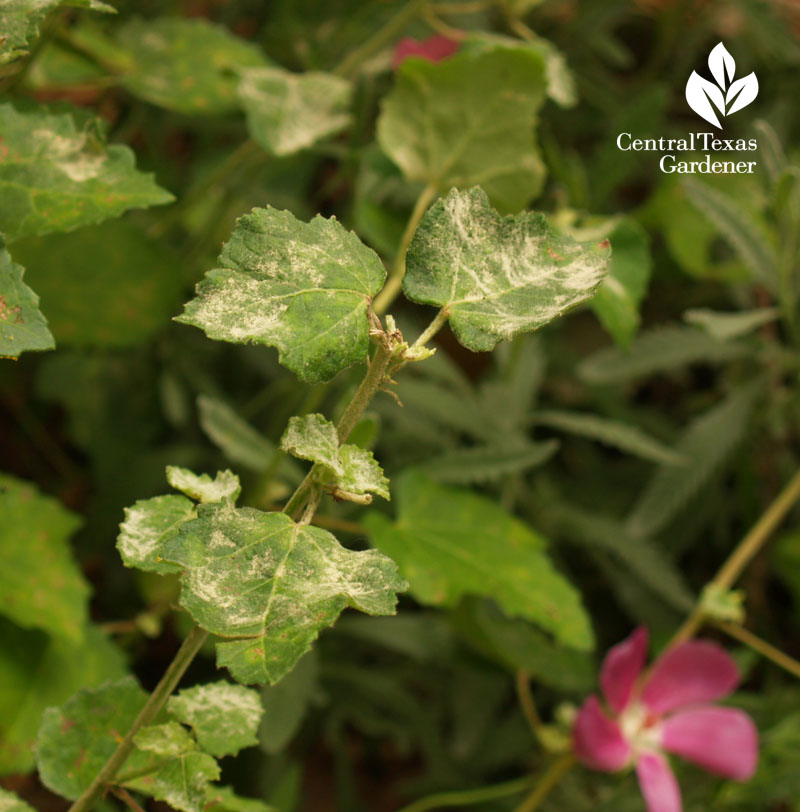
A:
(658, 784)
(621, 667)
(598, 740)
(434, 49)
(696, 671)
(721, 740)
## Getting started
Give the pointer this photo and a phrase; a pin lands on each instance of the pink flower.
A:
(667, 711)
(434, 49)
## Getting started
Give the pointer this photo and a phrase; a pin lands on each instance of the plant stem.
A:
(395, 281)
(525, 696)
(743, 554)
(168, 683)
(430, 331)
(127, 799)
(468, 796)
(762, 647)
(557, 770)
(383, 36)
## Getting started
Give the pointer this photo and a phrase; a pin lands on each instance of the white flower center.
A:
(640, 729)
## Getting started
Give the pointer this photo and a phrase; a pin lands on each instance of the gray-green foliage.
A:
(301, 287)
(497, 276)
(469, 120)
(225, 485)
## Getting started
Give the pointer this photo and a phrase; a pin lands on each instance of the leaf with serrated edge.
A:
(19, 24)
(261, 576)
(287, 112)
(11, 803)
(182, 782)
(22, 325)
(169, 739)
(224, 717)
(362, 473)
(41, 586)
(497, 276)
(225, 484)
(148, 524)
(57, 173)
(469, 120)
(451, 542)
(301, 287)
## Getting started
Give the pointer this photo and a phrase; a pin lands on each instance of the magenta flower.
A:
(434, 49)
(666, 711)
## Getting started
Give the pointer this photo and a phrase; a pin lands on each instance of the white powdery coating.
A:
(312, 437)
(224, 486)
(66, 153)
(148, 524)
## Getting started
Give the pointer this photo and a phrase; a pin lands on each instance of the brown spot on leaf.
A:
(605, 244)
(553, 254)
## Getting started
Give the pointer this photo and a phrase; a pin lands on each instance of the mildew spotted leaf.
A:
(56, 173)
(352, 469)
(22, 325)
(450, 542)
(148, 524)
(498, 276)
(469, 120)
(288, 112)
(301, 287)
(248, 574)
(225, 484)
(224, 717)
(168, 739)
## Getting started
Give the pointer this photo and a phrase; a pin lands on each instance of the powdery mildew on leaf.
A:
(225, 484)
(301, 287)
(225, 717)
(498, 276)
(19, 23)
(257, 575)
(148, 524)
(288, 112)
(56, 174)
(22, 325)
(169, 739)
(182, 782)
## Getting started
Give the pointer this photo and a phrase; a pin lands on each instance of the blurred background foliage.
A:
(641, 436)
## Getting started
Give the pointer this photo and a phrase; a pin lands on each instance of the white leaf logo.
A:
(727, 95)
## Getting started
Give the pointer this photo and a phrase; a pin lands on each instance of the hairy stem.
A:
(394, 283)
(168, 683)
(468, 796)
(557, 770)
(430, 331)
(743, 554)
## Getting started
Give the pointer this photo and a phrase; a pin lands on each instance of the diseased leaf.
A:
(28, 662)
(661, 349)
(41, 586)
(57, 173)
(355, 470)
(148, 524)
(610, 432)
(708, 441)
(183, 781)
(469, 120)
(189, 66)
(224, 717)
(12, 803)
(22, 325)
(497, 276)
(168, 739)
(19, 24)
(288, 112)
(301, 287)
(450, 542)
(259, 575)
(225, 484)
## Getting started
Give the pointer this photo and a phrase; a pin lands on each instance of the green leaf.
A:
(661, 349)
(224, 799)
(487, 463)
(301, 287)
(469, 120)
(19, 24)
(355, 470)
(451, 542)
(183, 782)
(610, 432)
(224, 717)
(147, 526)
(618, 300)
(103, 286)
(77, 739)
(22, 326)
(28, 662)
(249, 574)
(288, 112)
(707, 443)
(57, 173)
(41, 586)
(725, 326)
(497, 276)
(189, 66)
(11, 803)
(169, 739)
(224, 486)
